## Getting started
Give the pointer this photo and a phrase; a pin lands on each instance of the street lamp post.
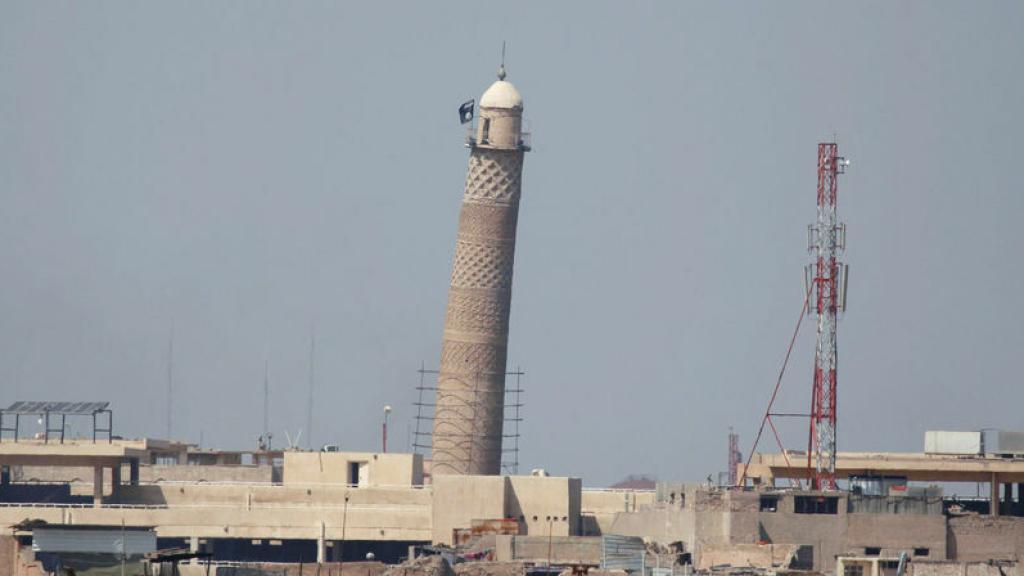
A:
(384, 429)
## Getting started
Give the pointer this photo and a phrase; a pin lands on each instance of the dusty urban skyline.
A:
(249, 172)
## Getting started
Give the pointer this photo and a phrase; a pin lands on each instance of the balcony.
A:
(524, 144)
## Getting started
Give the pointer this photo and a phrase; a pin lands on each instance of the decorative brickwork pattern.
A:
(494, 175)
(469, 359)
(469, 411)
(483, 265)
(487, 222)
(476, 313)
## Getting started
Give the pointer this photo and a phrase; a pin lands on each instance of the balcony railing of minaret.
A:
(472, 141)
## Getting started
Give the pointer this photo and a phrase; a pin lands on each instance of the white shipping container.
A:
(949, 442)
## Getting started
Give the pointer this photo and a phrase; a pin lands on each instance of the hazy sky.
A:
(248, 171)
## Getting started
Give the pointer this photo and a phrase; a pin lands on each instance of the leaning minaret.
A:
(470, 410)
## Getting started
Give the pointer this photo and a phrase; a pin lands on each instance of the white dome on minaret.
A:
(502, 94)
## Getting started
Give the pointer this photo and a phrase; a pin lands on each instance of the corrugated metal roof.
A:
(66, 408)
(129, 541)
(622, 553)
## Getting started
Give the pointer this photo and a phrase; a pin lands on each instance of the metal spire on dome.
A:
(501, 69)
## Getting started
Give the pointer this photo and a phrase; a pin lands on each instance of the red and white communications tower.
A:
(826, 286)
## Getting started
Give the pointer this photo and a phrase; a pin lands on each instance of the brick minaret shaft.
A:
(469, 414)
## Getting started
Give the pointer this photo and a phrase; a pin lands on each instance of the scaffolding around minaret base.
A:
(469, 440)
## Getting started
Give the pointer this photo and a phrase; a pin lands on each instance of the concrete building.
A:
(999, 472)
(331, 506)
(469, 412)
(715, 524)
(326, 506)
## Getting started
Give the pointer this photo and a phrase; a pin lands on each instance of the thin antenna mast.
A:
(266, 404)
(501, 70)
(170, 383)
(312, 382)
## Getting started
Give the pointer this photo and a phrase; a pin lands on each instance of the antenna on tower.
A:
(827, 239)
(735, 457)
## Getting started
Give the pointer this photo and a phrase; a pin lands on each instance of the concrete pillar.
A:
(97, 486)
(193, 547)
(321, 546)
(993, 499)
(115, 482)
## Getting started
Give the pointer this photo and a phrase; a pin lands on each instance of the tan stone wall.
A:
(953, 568)
(602, 506)
(979, 538)
(246, 474)
(896, 533)
(826, 533)
(717, 520)
(332, 468)
(756, 555)
(458, 500)
(711, 520)
(240, 511)
(147, 474)
(560, 549)
(544, 504)
(298, 510)
(662, 525)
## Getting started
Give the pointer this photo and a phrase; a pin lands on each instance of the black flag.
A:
(466, 111)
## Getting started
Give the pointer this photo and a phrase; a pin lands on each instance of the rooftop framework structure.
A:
(57, 411)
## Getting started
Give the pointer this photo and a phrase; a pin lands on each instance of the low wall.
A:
(919, 568)
(147, 474)
(981, 538)
(747, 555)
(603, 505)
(896, 533)
(662, 525)
(276, 569)
(239, 511)
(539, 549)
